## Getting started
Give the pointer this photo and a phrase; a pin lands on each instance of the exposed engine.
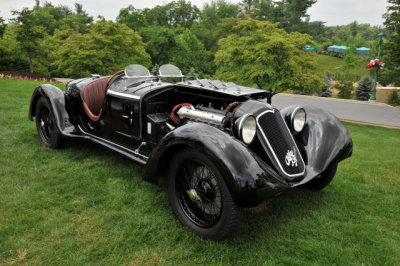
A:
(201, 114)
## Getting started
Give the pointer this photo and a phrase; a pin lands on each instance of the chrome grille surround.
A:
(279, 143)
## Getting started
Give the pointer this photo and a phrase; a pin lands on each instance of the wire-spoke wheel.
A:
(199, 196)
(46, 125)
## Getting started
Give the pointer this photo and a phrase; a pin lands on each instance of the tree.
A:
(290, 14)
(344, 85)
(3, 26)
(325, 92)
(207, 30)
(364, 89)
(391, 47)
(214, 11)
(105, 49)
(159, 42)
(191, 75)
(29, 32)
(132, 17)
(260, 53)
(392, 16)
(172, 14)
(11, 55)
(351, 58)
(190, 52)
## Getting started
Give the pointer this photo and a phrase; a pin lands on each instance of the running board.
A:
(131, 154)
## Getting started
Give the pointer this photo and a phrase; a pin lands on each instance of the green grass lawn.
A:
(87, 205)
(326, 63)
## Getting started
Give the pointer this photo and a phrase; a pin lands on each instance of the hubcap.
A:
(199, 194)
(46, 123)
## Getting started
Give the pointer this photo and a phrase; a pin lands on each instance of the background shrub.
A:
(364, 89)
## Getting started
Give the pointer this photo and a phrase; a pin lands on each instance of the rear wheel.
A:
(199, 196)
(46, 125)
(323, 180)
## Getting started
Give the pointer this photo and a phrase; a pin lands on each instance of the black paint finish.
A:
(249, 171)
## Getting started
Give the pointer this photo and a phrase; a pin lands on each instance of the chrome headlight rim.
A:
(242, 124)
(296, 111)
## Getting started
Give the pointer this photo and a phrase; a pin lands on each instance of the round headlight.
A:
(248, 129)
(298, 119)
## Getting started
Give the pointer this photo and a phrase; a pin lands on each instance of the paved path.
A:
(366, 112)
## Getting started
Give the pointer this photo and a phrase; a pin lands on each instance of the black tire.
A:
(46, 126)
(199, 196)
(323, 180)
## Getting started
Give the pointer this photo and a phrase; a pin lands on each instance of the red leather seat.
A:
(93, 95)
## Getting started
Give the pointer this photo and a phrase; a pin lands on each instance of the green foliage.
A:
(214, 11)
(344, 85)
(260, 53)
(11, 56)
(289, 14)
(154, 70)
(172, 14)
(391, 46)
(190, 52)
(216, 22)
(191, 75)
(159, 42)
(33, 25)
(393, 98)
(132, 17)
(3, 26)
(28, 32)
(364, 89)
(351, 58)
(105, 49)
(325, 91)
(392, 16)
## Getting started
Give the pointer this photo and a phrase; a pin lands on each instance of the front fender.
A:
(244, 173)
(324, 140)
(57, 101)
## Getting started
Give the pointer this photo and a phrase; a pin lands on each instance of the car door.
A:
(122, 118)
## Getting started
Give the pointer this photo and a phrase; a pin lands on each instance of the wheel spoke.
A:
(204, 209)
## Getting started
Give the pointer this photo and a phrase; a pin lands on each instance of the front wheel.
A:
(199, 196)
(46, 125)
(323, 180)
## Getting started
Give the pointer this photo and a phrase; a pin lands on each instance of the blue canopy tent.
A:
(309, 48)
(342, 49)
(337, 49)
(362, 51)
(332, 48)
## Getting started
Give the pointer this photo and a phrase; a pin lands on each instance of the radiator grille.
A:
(278, 142)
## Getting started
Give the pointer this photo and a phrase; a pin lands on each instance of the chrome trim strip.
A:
(273, 152)
(124, 150)
(123, 95)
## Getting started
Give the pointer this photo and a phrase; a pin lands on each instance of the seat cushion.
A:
(93, 95)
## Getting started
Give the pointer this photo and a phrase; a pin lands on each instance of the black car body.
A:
(196, 130)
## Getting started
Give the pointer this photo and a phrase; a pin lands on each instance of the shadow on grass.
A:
(260, 226)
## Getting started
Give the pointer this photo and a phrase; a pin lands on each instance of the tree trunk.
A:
(30, 63)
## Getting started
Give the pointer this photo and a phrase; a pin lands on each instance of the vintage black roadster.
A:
(221, 147)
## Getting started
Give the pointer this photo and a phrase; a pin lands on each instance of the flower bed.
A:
(26, 76)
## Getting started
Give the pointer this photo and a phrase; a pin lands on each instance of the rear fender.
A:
(242, 170)
(324, 140)
(57, 101)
